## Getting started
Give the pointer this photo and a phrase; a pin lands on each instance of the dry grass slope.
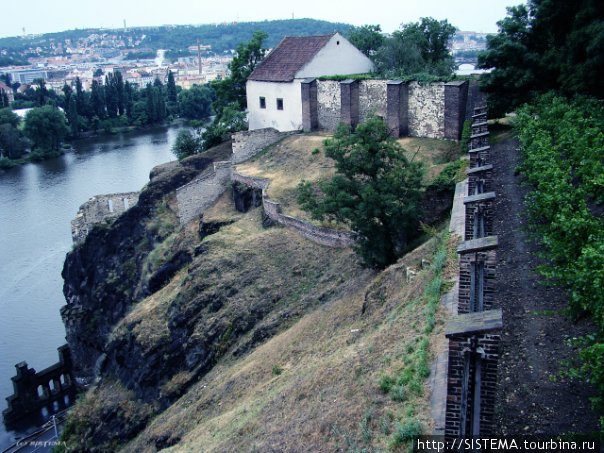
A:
(315, 386)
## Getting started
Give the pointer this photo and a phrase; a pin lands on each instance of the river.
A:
(37, 203)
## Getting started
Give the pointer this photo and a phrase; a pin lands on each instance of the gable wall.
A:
(334, 58)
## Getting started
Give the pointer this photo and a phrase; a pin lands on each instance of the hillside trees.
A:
(376, 191)
(542, 46)
(232, 89)
(230, 99)
(416, 50)
(196, 102)
(367, 38)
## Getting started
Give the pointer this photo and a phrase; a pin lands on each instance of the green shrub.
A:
(406, 431)
(562, 146)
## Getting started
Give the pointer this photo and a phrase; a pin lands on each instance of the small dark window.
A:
(279, 104)
(337, 43)
(262, 102)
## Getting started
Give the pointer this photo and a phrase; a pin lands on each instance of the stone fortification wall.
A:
(427, 110)
(247, 144)
(272, 209)
(198, 195)
(98, 209)
(328, 104)
(372, 98)
(434, 110)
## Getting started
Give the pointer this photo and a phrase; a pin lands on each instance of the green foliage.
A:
(177, 38)
(451, 175)
(542, 46)
(417, 48)
(405, 432)
(466, 133)
(7, 116)
(277, 370)
(46, 128)
(196, 102)
(368, 38)
(186, 144)
(6, 163)
(375, 190)
(231, 120)
(12, 145)
(562, 146)
(232, 89)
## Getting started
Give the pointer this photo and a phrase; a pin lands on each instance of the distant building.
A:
(8, 90)
(28, 75)
(274, 87)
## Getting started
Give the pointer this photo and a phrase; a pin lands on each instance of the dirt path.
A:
(535, 330)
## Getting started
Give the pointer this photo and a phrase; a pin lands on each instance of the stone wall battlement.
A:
(98, 209)
(198, 195)
(434, 110)
(324, 236)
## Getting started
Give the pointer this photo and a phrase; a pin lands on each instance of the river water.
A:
(37, 203)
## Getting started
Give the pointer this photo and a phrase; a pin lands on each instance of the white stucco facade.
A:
(288, 119)
(338, 56)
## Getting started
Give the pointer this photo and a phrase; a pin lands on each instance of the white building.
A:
(273, 89)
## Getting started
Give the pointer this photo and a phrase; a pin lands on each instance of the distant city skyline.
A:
(38, 18)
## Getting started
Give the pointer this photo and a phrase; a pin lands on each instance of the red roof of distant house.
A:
(291, 55)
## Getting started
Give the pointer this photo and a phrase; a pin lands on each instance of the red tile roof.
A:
(291, 55)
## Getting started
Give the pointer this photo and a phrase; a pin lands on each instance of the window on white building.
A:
(262, 102)
(279, 104)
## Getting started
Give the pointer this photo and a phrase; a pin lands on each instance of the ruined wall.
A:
(328, 104)
(98, 209)
(272, 209)
(434, 110)
(198, 195)
(372, 98)
(247, 144)
(427, 110)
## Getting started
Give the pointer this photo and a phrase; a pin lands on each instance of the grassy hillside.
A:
(263, 340)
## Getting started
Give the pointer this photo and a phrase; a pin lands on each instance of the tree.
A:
(196, 102)
(81, 99)
(72, 117)
(12, 145)
(4, 102)
(7, 116)
(171, 88)
(42, 94)
(128, 100)
(376, 191)
(111, 100)
(186, 144)
(46, 128)
(542, 46)
(230, 121)
(232, 89)
(368, 38)
(97, 100)
(418, 47)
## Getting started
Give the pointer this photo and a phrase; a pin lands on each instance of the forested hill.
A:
(172, 37)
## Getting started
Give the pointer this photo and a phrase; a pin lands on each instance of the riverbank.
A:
(37, 204)
(68, 146)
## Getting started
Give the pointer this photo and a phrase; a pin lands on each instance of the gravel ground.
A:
(530, 400)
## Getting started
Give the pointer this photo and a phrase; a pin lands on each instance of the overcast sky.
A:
(57, 15)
